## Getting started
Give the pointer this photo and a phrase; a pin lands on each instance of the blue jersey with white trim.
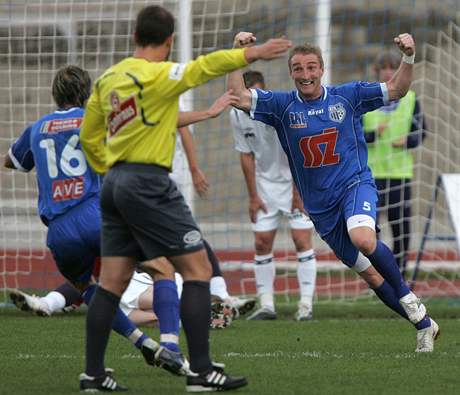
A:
(52, 145)
(322, 138)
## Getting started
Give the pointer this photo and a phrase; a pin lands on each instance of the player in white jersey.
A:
(185, 153)
(272, 196)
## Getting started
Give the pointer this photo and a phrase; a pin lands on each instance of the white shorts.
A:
(272, 219)
(137, 286)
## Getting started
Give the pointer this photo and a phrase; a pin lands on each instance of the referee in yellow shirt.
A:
(129, 133)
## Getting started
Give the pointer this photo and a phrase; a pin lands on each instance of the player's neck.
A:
(152, 54)
(313, 96)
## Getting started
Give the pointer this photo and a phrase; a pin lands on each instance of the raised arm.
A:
(235, 80)
(218, 63)
(401, 80)
(187, 118)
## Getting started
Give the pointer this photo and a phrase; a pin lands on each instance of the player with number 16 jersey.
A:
(52, 145)
(68, 189)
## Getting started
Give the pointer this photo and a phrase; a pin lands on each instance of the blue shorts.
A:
(74, 240)
(360, 199)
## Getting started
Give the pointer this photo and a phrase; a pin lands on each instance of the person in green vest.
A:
(391, 132)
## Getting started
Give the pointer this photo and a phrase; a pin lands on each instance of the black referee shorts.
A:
(144, 215)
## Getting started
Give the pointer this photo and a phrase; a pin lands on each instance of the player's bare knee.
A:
(364, 241)
(263, 245)
(366, 246)
(115, 286)
(194, 266)
(302, 240)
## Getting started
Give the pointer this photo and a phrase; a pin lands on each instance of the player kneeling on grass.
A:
(320, 130)
(68, 203)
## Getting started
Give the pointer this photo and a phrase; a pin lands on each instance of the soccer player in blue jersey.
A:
(320, 130)
(68, 200)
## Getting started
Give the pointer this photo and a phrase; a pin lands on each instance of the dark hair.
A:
(387, 58)
(306, 49)
(71, 86)
(154, 24)
(252, 77)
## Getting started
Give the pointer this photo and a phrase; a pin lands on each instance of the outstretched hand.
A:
(244, 39)
(272, 49)
(227, 99)
(405, 43)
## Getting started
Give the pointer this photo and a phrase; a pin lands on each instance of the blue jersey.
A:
(322, 138)
(52, 145)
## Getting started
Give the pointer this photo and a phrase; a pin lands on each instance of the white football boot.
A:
(426, 337)
(29, 303)
(304, 312)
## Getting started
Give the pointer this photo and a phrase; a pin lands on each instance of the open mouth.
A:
(306, 82)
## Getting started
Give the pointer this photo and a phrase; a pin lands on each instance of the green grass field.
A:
(349, 348)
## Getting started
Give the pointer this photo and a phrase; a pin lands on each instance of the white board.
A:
(451, 184)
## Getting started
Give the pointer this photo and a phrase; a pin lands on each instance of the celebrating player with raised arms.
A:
(320, 130)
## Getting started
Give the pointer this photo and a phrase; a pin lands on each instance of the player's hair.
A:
(306, 49)
(387, 58)
(71, 86)
(252, 77)
(154, 24)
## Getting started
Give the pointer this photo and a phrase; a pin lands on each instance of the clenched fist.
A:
(405, 43)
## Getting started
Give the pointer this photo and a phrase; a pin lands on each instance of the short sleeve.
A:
(365, 96)
(20, 152)
(241, 144)
(267, 106)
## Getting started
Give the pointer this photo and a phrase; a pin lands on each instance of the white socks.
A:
(179, 283)
(219, 287)
(54, 301)
(306, 274)
(264, 270)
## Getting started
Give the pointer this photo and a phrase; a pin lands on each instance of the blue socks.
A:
(384, 262)
(388, 296)
(166, 308)
(121, 323)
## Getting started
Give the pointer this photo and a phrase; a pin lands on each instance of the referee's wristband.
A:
(409, 59)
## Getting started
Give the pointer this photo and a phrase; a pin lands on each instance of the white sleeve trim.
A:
(386, 96)
(253, 102)
(16, 163)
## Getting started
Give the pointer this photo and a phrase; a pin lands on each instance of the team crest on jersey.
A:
(297, 120)
(123, 112)
(337, 112)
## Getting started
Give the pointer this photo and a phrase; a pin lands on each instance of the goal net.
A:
(39, 36)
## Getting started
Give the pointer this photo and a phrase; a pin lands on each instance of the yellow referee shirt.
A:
(132, 113)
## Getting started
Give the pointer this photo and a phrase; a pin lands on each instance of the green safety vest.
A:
(385, 161)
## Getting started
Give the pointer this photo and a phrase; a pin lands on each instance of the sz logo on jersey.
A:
(297, 120)
(337, 112)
